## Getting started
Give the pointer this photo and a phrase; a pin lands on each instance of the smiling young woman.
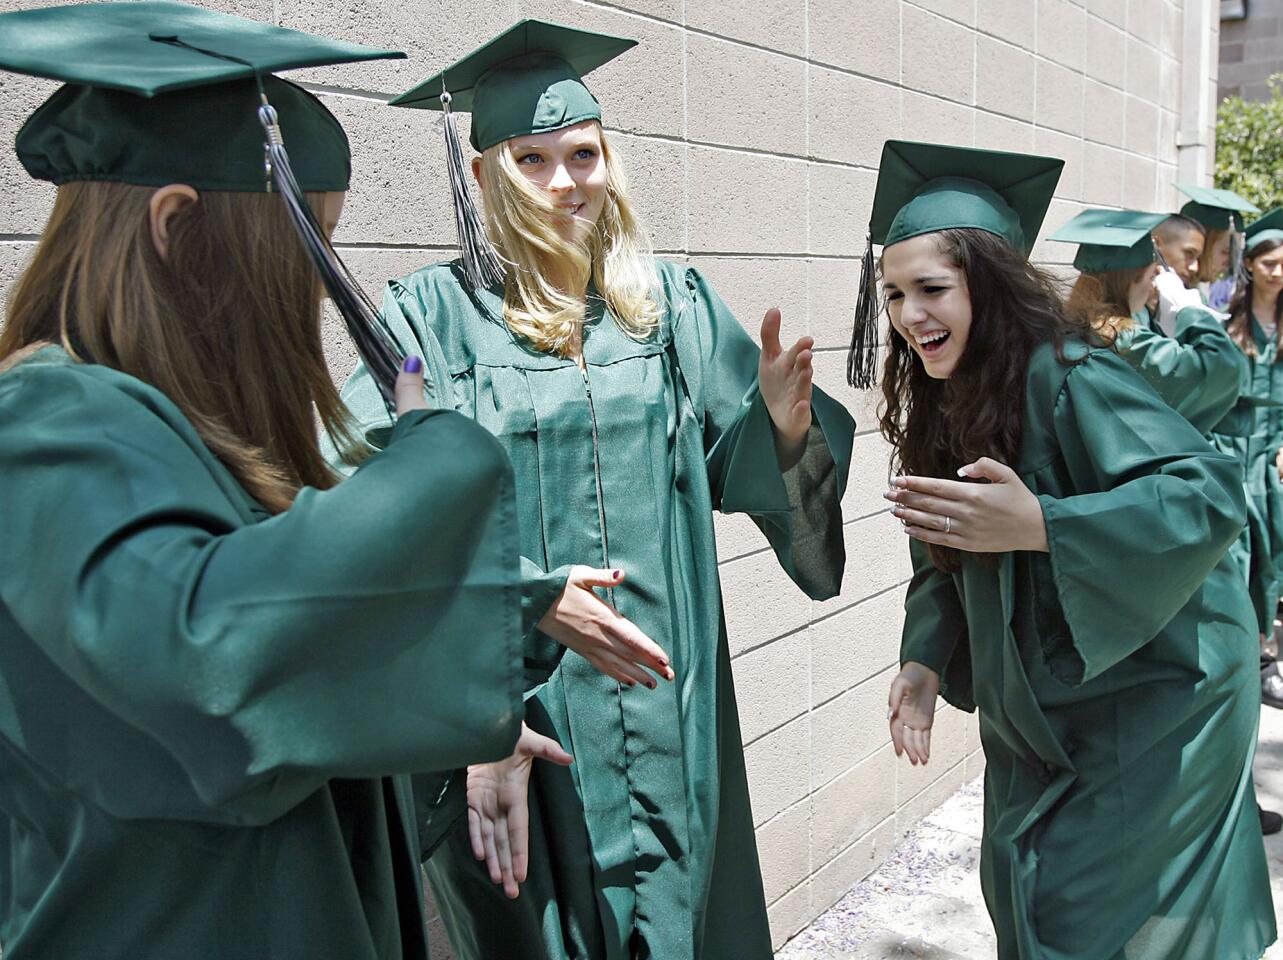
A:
(632, 404)
(1258, 443)
(1068, 533)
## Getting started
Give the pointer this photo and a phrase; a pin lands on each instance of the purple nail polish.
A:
(412, 364)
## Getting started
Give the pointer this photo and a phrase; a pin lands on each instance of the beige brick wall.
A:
(752, 131)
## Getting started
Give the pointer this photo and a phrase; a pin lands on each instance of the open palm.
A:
(498, 814)
(784, 377)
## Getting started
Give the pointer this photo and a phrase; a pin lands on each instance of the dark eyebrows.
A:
(920, 281)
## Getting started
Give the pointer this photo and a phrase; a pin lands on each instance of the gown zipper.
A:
(596, 466)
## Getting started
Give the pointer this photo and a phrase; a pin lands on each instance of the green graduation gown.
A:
(1202, 374)
(1253, 433)
(1115, 678)
(645, 846)
(1198, 370)
(201, 705)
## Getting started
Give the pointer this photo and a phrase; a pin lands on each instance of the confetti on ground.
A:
(924, 902)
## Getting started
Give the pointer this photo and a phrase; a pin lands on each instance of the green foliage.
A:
(1249, 146)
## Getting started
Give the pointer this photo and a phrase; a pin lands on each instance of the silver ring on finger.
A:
(948, 523)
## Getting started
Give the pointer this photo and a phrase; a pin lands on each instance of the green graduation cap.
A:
(925, 188)
(529, 79)
(158, 92)
(162, 92)
(1111, 239)
(1215, 209)
(1269, 227)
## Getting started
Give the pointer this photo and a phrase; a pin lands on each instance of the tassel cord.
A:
(482, 264)
(862, 359)
(377, 349)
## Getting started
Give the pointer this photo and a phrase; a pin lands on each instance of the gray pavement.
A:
(924, 902)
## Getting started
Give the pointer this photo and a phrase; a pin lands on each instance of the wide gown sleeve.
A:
(1198, 370)
(403, 317)
(368, 630)
(1163, 509)
(935, 628)
(798, 509)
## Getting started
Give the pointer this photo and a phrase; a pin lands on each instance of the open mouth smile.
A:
(929, 344)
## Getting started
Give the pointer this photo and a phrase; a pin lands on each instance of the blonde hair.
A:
(227, 326)
(1206, 270)
(545, 268)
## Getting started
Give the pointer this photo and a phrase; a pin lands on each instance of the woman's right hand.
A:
(612, 643)
(912, 710)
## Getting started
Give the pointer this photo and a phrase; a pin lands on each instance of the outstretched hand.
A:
(784, 377)
(992, 517)
(498, 812)
(582, 621)
(911, 710)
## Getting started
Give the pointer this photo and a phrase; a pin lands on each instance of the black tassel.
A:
(377, 349)
(482, 264)
(862, 360)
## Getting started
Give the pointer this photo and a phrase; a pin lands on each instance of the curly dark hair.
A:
(935, 426)
(1240, 326)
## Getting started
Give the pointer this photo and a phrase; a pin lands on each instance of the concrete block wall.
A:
(751, 132)
(1252, 50)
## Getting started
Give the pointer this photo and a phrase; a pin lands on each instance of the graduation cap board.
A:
(1269, 227)
(1215, 209)
(1111, 240)
(527, 80)
(158, 92)
(925, 188)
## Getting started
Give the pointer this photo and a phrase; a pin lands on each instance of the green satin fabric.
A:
(202, 708)
(645, 846)
(1198, 370)
(1253, 433)
(1115, 678)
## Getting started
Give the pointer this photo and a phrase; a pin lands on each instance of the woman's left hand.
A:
(1278, 463)
(498, 815)
(784, 377)
(989, 517)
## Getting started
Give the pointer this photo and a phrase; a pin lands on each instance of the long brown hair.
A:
(227, 325)
(1101, 301)
(1240, 324)
(936, 426)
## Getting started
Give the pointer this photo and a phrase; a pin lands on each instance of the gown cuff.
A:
(538, 592)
